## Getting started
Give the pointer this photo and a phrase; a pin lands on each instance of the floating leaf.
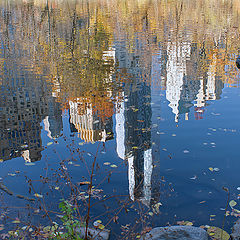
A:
(156, 207)
(232, 203)
(107, 163)
(211, 169)
(217, 233)
(56, 188)
(185, 223)
(84, 183)
(115, 218)
(38, 195)
(225, 189)
(236, 210)
(150, 213)
(113, 166)
(16, 221)
(101, 226)
(12, 174)
(185, 151)
(194, 177)
(96, 223)
(29, 163)
(50, 143)
(216, 169)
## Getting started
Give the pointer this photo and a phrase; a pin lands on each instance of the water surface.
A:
(149, 88)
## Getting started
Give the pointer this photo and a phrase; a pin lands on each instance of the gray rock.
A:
(236, 231)
(95, 234)
(176, 232)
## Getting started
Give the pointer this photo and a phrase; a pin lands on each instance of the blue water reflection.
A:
(153, 97)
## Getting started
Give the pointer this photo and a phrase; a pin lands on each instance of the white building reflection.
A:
(186, 85)
(87, 123)
(176, 70)
(139, 157)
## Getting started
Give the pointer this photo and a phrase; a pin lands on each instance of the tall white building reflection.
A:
(185, 87)
(134, 145)
(176, 70)
(133, 122)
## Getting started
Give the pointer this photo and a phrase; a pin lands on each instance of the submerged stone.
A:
(176, 232)
(236, 231)
(95, 234)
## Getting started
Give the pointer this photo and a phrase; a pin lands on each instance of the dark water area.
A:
(148, 90)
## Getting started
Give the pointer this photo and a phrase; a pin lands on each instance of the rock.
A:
(176, 232)
(236, 231)
(95, 234)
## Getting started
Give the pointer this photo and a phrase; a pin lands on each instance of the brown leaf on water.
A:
(184, 223)
(115, 218)
(84, 183)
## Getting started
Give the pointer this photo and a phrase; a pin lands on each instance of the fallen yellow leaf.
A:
(232, 203)
(218, 233)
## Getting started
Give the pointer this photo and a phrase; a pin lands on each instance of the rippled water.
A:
(149, 88)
